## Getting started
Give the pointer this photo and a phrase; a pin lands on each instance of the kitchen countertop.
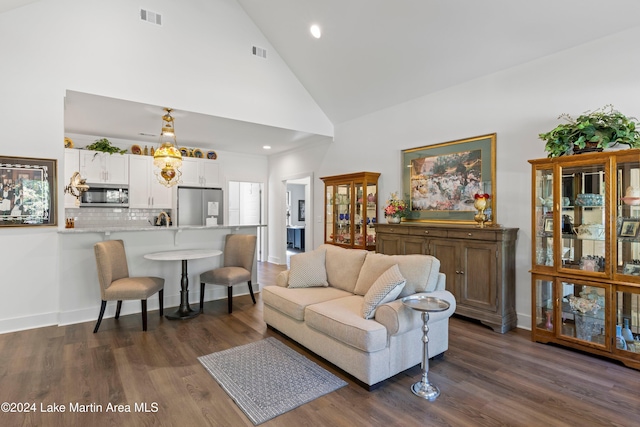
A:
(151, 228)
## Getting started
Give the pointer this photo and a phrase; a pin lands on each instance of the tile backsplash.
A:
(112, 217)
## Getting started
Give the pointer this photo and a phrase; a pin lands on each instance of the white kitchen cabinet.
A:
(200, 172)
(97, 167)
(144, 189)
(71, 165)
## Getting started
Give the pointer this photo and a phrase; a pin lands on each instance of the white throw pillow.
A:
(386, 288)
(308, 269)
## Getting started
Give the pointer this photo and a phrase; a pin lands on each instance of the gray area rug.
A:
(267, 378)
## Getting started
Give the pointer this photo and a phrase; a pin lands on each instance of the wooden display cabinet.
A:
(586, 253)
(351, 210)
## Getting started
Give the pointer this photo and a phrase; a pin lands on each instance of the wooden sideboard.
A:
(479, 264)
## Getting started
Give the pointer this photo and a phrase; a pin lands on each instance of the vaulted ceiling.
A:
(374, 54)
(378, 53)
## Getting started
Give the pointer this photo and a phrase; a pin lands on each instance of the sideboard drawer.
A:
(395, 229)
(472, 234)
(428, 232)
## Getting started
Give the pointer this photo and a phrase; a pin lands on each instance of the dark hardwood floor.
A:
(486, 379)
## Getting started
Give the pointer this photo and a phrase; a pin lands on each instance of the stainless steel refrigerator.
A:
(200, 206)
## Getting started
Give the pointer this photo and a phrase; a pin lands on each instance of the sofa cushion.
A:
(420, 271)
(341, 319)
(292, 302)
(343, 266)
(308, 269)
(386, 288)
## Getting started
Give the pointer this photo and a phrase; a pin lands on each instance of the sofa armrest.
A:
(442, 282)
(282, 279)
(399, 319)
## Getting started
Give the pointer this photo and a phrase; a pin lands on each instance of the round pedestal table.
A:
(184, 255)
(426, 305)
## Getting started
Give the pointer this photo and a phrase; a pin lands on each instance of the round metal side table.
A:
(426, 305)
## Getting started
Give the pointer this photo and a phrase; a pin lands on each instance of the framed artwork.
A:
(548, 225)
(629, 228)
(631, 269)
(441, 180)
(28, 191)
(301, 216)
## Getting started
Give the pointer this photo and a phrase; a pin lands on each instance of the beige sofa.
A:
(328, 317)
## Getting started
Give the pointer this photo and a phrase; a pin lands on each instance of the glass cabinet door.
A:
(544, 302)
(583, 308)
(371, 214)
(328, 226)
(628, 319)
(583, 219)
(628, 219)
(342, 216)
(543, 222)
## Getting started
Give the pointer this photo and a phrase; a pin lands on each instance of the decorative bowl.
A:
(631, 201)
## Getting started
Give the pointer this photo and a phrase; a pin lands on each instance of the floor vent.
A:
(261, 52)
(149, 16)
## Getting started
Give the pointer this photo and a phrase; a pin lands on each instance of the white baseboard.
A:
(64, 318)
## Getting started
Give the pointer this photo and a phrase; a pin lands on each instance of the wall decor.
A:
(629, 227)
(28, 191)
(441, 180)
(301, 214)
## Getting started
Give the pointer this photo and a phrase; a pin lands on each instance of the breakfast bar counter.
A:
(79, 292)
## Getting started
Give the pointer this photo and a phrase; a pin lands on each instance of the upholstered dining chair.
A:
(239, 252)
(115, 283)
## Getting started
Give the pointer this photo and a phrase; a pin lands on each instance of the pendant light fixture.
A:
(168, 158)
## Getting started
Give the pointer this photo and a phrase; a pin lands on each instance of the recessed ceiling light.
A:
(315, 31)
(266, 147)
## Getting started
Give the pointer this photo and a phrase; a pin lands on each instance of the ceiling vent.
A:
(260, 52)
(149, 16)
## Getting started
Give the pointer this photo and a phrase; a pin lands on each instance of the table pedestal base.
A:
(426, 391)
(184, 311)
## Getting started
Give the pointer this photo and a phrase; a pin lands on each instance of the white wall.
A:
(103, 48)
(297, 164)
(517, 104)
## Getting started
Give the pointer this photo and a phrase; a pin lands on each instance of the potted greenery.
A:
(591, 131)
(104, 145)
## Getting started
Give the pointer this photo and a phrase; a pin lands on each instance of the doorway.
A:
(298, 216)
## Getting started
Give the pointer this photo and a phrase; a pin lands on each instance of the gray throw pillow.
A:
(308, 269)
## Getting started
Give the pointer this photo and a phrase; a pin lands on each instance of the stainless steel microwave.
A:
(106, 195)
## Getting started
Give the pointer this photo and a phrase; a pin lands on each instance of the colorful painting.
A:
(441, 180)
(446, 183)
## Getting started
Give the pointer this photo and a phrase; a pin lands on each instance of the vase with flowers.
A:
(585, 307)
(396, 209)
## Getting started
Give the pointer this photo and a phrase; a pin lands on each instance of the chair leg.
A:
(161, 302)
(118, 308)
(102, 307)
(251, 292)
(229, 298)
(144, 314)
(201, 297)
